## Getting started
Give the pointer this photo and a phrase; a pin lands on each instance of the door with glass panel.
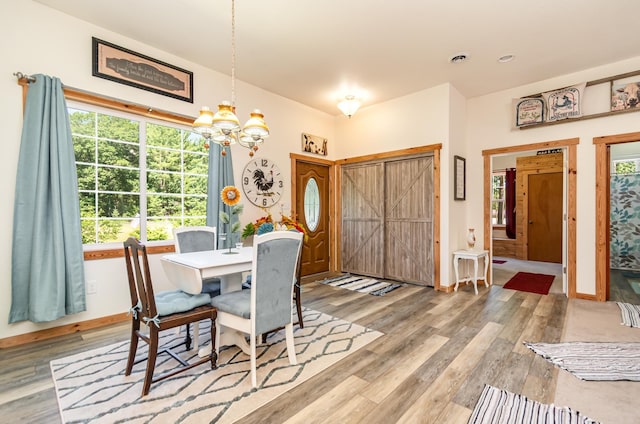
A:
(312, 206)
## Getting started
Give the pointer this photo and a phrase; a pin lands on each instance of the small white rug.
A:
(497, 406)
(630, 314)
(91, 386)
(362, 284)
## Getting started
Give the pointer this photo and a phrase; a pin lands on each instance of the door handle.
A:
(530, 222)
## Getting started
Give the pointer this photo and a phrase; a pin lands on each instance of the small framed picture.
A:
(127, 67)
(625, 93)
(314, 144)
(459, 177)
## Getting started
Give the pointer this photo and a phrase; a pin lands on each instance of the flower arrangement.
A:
(230, 196)
(266, 224)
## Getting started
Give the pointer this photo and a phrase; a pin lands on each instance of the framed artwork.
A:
(459, 177)
(127, 67)
(529, 111)
(625, 93)
(314, 144)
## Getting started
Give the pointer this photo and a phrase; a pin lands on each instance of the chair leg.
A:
(151, 360)
(291, 348)
(187, 338)
(254, 380)
(214, 340)
(299, 305)
(133, 346)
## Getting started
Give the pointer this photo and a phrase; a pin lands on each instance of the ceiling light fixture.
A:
(223, 127)
(506, 58)
(459, 58)
(349, 105)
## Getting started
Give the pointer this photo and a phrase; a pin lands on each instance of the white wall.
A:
(37, 39)
(489, 126)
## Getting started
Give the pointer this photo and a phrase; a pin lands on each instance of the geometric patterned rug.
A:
(361, 284)
(91, 386)
(630, 314)
(497, 406)
(593, 361)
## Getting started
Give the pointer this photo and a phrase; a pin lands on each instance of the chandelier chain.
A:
(233, 53)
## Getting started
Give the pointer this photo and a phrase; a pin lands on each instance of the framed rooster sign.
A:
(262, 182)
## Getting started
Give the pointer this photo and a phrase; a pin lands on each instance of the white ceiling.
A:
(312, 51)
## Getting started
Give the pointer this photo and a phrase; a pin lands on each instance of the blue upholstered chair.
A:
(268, 305)
(160, 311)
(197, 239)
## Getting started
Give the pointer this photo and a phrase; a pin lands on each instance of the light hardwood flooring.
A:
(437, 352)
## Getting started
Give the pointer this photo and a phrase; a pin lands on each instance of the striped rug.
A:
(497, 406)
(362, 284)
(630, 314)
(593, 361)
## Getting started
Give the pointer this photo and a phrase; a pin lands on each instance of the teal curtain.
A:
(47, 274)
(220, 176)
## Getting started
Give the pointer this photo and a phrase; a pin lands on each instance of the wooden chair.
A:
(268, 304)
(161, 311)
(197, 239)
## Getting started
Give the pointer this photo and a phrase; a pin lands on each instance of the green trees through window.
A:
(136, 177)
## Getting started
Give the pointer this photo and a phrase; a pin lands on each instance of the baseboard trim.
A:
(50, 333)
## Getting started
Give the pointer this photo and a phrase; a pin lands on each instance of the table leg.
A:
(475, 275)
(486, 267)
(455, 267)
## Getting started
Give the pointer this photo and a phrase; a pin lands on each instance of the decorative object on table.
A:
(564, 103)
(361, 284)
(530, 282)
(593, 361)
(266, 224)
(314, 144)
(625, 94)
(459, 176)
(224, 128)
(471, 238)
(262, 182)
(225, 394)
(501, 406)
(528, 111)
(230, 196)
(118, 64)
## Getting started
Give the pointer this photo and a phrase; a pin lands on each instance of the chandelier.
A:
(223, 127)
(349, 105)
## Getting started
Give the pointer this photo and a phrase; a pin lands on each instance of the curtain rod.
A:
(28, 78)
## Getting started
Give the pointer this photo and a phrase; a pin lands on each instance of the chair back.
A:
(140, 285)
(275, 259)
(195, 239)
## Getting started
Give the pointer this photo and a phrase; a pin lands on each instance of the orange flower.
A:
(230, 195)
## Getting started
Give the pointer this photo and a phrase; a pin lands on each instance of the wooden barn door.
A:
(409, 220)
(362, 247)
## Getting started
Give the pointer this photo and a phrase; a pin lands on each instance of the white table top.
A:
(212, 258)
(473, 253)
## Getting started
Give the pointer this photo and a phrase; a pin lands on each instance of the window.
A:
(136, 176)
(625, 166)
(498, 216)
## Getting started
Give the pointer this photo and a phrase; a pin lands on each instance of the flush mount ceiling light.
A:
(349, 105)
(506, 58)
(223, 127)
(459, 58)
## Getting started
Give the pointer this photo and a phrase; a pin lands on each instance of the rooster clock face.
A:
(262, 182)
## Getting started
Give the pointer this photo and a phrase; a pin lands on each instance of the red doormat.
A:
(498, 261)
(530, 282)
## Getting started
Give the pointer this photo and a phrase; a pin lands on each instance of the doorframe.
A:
(570, 144)
(603, 226)
(333, 243)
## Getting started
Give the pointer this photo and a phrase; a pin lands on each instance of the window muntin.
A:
(136, 177)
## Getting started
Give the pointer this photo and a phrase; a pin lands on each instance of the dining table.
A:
(187, 270)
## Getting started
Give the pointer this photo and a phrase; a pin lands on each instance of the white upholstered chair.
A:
(268, 305)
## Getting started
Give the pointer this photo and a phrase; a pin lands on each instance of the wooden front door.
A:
(362, 246)
(312, 206)
(409, 220)
(544, 230)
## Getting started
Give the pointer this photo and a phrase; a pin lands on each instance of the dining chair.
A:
(196, 239)
(268, 305)
(160, 311)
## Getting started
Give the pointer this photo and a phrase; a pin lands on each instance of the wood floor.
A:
(437, 353)
(622, 284)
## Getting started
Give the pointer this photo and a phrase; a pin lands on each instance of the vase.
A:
(471, 239)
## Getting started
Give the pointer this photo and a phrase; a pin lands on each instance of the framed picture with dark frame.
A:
(127, 67)
(459, 178)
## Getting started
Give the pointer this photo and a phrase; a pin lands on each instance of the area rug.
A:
(498, 261)
(362, 284)
(497, 406)
(92, 387)
(593, 361)
(630, 314)
(530, 282)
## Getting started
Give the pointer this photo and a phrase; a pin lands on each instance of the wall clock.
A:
(262, 182)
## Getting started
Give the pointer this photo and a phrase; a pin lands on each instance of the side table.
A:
(470, 255)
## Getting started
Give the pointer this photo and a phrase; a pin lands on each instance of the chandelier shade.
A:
(349, 105)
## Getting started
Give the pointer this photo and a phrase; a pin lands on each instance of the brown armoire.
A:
(387, 219)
